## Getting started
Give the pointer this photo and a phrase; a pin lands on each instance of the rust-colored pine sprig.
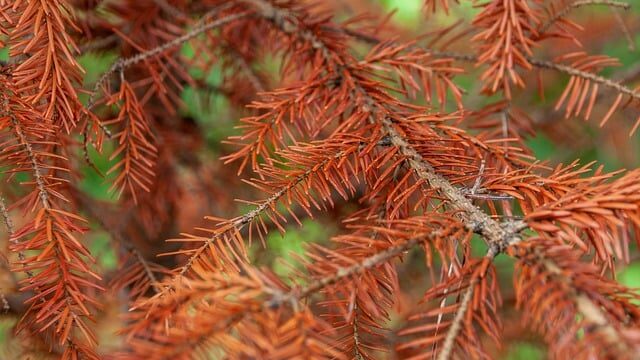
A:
(563, 296)
(409, 147)
(135, 150)
(48, 73)
(475, 310)
(506, 40)
(592, 217)
(58, 265)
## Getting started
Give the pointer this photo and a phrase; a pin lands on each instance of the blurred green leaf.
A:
(543, 148)
(630, 277)
(100, 247)
(4, 54)
(524, 351)
(95, 64)
(408, 11)
(91, 181)
(283, 249)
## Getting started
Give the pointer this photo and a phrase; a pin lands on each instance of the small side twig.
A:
(580, 3)
(122, 64)
(98, 44)
(590, 311)
(543, 64)
(6, 218)
(585, 75)
(245, 67)
(476, 184)
(356, 334)
(92, 209)
(299, 293)
(623, 27)
(171, 10)
(443, 302)
(456, 325)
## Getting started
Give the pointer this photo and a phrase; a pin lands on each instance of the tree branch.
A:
(497, 235)
(4, 211)
(543, 64)
(23, 297)
(297, 294)
(240, 222)
(122, 64)
(456, 325)
(245, 67)
(90, 207)
(494, 233)
(591, 312)
(474, 218)
(356, 334)
(171, 10)
(6, 218)
(579, 3)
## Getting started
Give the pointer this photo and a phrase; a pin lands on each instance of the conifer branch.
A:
(245, 67)
(6, 217)
(171, 10)
(543, 64)
(44, 198)
(50, 231)
(239, 223)
(294, 296)
(498, 236)
(580, 3)
(122, 64)
(575, 287)
(358, 268)
(90, 206)
(274, 298)
(456, 324)
(334, 125)
(474, 218)
(25, 296)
